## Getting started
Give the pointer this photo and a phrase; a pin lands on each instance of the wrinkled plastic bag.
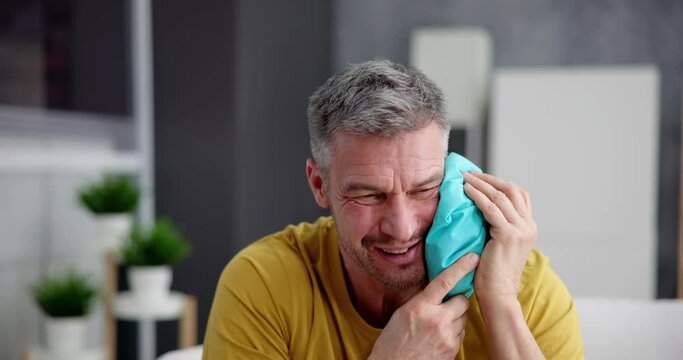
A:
(458, 228)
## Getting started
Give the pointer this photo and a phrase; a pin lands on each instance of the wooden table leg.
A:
(187, 328)
(111, 274)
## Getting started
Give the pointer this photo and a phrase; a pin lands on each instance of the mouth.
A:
(400, 256)
(396, 252)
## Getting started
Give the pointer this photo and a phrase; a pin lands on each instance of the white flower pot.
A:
(150, 284)
(111, 230)
(66, 335)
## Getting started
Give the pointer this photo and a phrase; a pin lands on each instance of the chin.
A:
(408, 278)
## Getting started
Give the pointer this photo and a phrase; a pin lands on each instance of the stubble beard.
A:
(401, 278)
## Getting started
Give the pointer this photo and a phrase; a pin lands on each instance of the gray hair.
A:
(377, 97)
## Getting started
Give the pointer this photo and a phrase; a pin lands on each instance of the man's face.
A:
(383, 194)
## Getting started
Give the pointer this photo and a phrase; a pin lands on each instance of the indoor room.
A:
(168, 169)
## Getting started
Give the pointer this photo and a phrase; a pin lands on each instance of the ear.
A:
(315, 181)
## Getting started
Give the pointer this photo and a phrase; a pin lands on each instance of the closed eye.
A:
(369, 199)
(426, 193)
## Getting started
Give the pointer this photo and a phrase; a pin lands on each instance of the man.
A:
(354, 285)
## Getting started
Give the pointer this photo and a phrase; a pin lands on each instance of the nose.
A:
(399, 219)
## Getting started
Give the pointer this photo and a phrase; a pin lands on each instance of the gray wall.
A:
(194, 134)
(232, 80)
(100, 72)
(547, 33)
(283, 56)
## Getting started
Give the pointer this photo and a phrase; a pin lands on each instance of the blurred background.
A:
(204, 104)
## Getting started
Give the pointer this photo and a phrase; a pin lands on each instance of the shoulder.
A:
(539, 282)
(259, 295)
(549, 309)
(275, 264)
(272, 257)
(535, 269)
(262, 291)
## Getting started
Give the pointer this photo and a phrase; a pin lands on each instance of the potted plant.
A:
(149, 255)
(112, 200)
(66, 301)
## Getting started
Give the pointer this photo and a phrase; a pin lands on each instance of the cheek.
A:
(357, 220)
(426, 209)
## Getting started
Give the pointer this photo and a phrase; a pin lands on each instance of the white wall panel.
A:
(43, 228)
(22, 199)
(583, 142)
(458, 60)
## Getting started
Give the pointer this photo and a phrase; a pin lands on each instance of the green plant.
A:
(67, 295)
(111, 195)
(163, 245)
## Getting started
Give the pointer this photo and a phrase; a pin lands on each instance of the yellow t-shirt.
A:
(285, 296)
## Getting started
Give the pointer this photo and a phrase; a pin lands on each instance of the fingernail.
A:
(474, 258)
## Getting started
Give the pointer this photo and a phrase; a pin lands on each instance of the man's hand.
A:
(424, 327)
(507, 209)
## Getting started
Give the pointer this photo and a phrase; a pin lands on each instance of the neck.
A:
(375, 302)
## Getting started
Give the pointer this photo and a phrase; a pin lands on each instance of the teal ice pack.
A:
(458, 228)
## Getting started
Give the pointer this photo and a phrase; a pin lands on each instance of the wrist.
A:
(377, 353)
(374, 356)
(508, 333)
(499, 307)
(497, 301)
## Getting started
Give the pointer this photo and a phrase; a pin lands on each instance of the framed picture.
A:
(65, 55)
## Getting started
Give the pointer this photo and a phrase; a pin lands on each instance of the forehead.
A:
(412, 155)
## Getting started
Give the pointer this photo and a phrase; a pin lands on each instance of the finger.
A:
(437, 289)
(459, 324)
(463, 319)
(512, 190)
(516, 196)
(457, 305)
(488, 208)
(494, 195)
(461, 336)
(527, 201)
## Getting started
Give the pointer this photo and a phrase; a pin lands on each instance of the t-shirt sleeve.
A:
(246, 320)
(551, 313)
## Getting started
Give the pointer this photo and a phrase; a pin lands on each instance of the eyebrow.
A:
(431, 179)
(362, 186)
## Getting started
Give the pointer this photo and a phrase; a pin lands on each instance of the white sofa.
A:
(611, 328)
(192, 353)
(631, 328)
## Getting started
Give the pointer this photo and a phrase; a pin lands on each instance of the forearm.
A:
(509, 336)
